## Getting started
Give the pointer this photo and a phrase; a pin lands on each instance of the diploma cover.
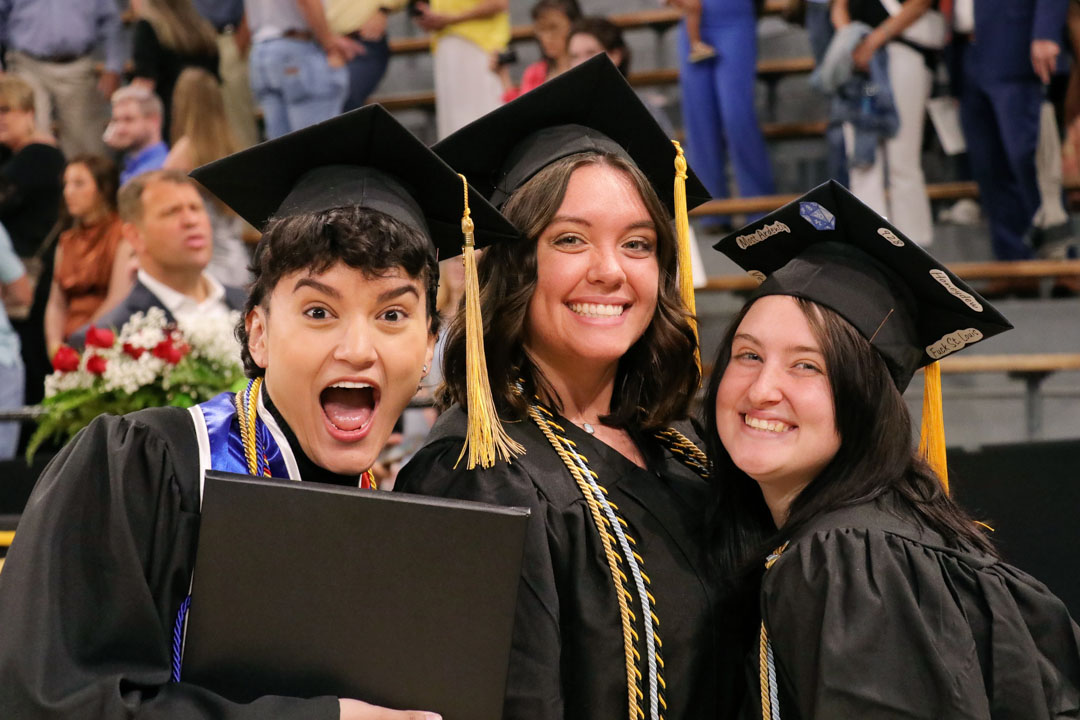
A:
(305, 589)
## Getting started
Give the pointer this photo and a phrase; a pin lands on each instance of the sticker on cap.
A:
(952, 342)
(890, 236)
(762, 233)
(815, 214)
(757, 275)
(965, 297)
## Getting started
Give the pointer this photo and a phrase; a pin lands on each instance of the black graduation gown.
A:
(92, 584)
(567, 659)
(871, 615)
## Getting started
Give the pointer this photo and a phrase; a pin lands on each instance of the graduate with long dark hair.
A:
(863, 589)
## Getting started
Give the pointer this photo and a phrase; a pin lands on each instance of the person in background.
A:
(166, 224)
(718, 103)
(233, 42)
(691, 12)
(135, 130)
(365, 23)
(1002, 55)
(200, 135)
(591, 36)
(863, 588)
(15, 291)
(297, 65)
(169, 36)
(53, 43)
(94, 267)
(894, 184)
(30, 194)
(464, 34)
(552, 20)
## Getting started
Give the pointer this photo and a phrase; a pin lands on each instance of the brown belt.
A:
(299, 35)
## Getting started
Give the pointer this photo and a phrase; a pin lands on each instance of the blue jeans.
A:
(294, 85)
(365, 71)
(12, 388)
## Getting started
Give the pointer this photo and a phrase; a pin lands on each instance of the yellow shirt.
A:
(490, 33)
(346, 16)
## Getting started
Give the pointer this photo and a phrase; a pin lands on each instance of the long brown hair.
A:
(198, 113)
(179, 26)
(656, 378)
(876, 456)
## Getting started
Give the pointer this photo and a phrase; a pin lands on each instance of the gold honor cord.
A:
(770, 696)
(682, 231)
(247, 417)
(485, 438)
(595, 495)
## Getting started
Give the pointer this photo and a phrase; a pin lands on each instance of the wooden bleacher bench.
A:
(969, 271)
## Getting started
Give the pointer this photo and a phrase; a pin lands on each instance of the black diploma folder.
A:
(304, 589)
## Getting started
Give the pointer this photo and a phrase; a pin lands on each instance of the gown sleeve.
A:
(533, 688)
(92, 583)
(868, 624)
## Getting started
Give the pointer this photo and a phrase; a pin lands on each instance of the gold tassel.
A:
(485, 437)
(932, 439)
(682, 231)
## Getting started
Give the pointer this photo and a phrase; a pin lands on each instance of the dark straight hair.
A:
(656, 378)
(876, 456)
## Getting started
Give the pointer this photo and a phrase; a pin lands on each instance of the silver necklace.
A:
(588, 428)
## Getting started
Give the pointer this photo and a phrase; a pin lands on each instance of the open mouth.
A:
(349, 406)
(597, 310)
(773, 426)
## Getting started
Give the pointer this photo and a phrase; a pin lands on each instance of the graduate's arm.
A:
(862, 625)
(533, 685)
(89, 591)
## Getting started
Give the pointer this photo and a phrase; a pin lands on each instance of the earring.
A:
(425, 369)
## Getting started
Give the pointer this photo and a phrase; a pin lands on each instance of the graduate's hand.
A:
(357, 710)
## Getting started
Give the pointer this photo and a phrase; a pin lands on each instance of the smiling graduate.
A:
(338, 331)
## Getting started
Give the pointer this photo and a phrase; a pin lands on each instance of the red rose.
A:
(100, 337)
(132, 351)
(65, 359)
(169, 352)
(96, 364)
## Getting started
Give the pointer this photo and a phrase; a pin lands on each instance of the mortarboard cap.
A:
(590, 107)
(829, 247)
(361, 158)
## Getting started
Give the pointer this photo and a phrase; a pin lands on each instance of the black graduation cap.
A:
(590, 107)
(827, 246)
(364, 157)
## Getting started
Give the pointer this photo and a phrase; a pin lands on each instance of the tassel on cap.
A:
(932, 438)
(682, 230)
(485, 437)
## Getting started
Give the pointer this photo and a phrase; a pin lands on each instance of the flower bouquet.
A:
(152, 363)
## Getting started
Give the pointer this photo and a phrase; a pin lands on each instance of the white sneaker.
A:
(963, 212)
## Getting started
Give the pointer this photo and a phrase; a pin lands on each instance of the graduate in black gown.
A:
(338, 331)
(866, 591)
(591, 360)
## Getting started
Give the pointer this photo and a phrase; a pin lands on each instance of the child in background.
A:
(691, 10)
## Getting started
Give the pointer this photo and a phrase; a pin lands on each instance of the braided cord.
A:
(246, 418)
(613, 561)
(685, 450)
(178, 638)
(770, 700)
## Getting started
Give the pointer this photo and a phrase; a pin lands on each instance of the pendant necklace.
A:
(588, 428)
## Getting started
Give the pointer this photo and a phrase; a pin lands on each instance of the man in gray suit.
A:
(166, 224)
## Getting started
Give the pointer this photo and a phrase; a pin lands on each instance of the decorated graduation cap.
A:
(588, 108)
(366, 158)
(828, 247)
